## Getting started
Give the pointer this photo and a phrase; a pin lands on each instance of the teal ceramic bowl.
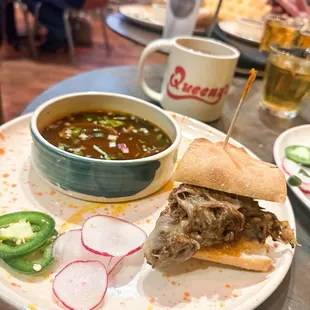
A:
(95, 179)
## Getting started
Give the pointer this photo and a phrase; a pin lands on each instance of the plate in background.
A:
(232, 28)
(143, 15)
(297, 135)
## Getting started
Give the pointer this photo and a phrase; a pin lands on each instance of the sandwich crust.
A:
(244, 254)
(233, 170)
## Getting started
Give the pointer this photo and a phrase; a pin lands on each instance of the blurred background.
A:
(46, 41)
(24, 76)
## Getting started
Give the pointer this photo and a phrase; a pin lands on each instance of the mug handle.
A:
(154, 46)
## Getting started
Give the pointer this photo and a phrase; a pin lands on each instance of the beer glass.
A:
(280, 30)
(286, 81)
(304, 39)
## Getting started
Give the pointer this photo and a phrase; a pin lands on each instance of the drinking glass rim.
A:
(293, 22)
(272, 16)
(278, 49)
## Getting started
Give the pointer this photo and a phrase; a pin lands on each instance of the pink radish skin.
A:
(80, 282)
(111, 236)
(113, 263)
(290, 167)
(305, 188)
(68, 248)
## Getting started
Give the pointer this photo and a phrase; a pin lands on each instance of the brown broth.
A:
(107, 135)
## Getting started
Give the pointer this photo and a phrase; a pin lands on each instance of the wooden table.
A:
(254, 128)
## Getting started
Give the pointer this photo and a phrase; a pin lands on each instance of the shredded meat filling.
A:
(198, 217)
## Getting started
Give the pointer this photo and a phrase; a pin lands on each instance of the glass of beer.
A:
(304, 39)
(280, 30)
(286, 81)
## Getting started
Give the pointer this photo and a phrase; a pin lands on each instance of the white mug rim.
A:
(235, 53)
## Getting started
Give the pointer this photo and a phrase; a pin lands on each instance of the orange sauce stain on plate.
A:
(167, 188)
(2, 152)
(2, 136)
(120, 208)
(152, 300)
(186, 296)
(78, 217)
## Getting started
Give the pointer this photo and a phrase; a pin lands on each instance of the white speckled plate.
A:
(143, 15)
(231, 28)
(297, 135)
(191, 285)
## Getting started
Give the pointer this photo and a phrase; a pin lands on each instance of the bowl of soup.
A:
(104, 147)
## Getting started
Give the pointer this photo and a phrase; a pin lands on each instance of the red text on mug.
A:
(178, 88)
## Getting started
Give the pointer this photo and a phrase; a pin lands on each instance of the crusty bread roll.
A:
(233, 171)
(244, 254)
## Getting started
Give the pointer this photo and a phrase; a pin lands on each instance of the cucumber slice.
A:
(299, 154)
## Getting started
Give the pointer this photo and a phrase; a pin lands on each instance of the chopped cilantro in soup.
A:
(107, 135)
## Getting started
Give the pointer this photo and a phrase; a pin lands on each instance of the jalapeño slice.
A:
(23, 232)
(36, 261)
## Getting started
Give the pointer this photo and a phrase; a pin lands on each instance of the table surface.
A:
(256, 129)
(130, 30)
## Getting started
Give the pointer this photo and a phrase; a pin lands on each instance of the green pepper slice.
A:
(298, 153)
(294, 180)
(36, 261)
(42, 227)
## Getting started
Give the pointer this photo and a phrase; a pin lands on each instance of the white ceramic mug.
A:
(198, 75)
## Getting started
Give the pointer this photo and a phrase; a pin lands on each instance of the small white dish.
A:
(250, 28)
(242, 30)
(159, 13)
(295, 136)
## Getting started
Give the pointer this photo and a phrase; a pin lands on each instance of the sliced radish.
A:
(290, 167)
(305, 187)
(81, 285)
(111, 236)
(113, 263)
(68, 248)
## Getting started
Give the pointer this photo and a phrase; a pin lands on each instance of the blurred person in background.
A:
(10, 34)
(51, 16)
(294, 8)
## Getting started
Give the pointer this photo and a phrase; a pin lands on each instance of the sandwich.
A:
(214, 214)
